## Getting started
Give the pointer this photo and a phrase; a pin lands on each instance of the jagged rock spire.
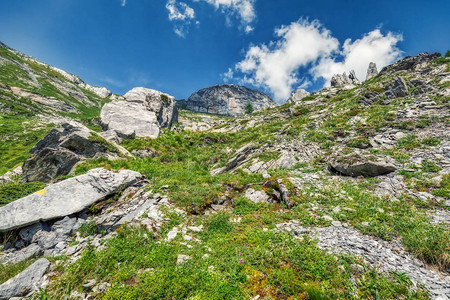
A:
(340, 80)
(371, 70)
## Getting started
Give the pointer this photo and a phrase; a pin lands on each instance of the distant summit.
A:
(227, 99)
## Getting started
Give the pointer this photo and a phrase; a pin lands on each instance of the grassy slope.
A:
(247, 258)
(20, 126)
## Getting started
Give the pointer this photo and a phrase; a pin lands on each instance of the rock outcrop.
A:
(143, 114)
(371, 70)
(65, 198)
(58, 152)
(227, 99)
(357, 164)
(25, 282)
(344, 79)
(298, 95)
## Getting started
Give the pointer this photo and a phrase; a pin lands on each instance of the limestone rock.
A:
(163, 105)
(396, 88)
(61, 149)
(410, 62)
(355, 164)
(342, 80)
(298, 95)
(227, 99)
(11, 175)
(257, 196)
(371, 70)
(25, 282)
(65, 198)
(129, 120)
(241, 155)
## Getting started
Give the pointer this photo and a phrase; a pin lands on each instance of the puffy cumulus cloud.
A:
(308, 46)
(124, 2)
(244, 9)
(275, 66)
(181, 14)
(372, 47)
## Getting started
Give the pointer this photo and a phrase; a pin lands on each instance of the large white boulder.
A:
(65, 198)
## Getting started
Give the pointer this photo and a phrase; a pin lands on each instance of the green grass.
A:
(11, 270)
(12, 191)
(243, 261)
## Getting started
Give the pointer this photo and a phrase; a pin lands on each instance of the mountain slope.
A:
(343, 194)
(34, 95)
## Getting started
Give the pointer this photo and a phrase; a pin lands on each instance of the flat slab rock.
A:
(65, 198)
(25, 282)
(356, 164)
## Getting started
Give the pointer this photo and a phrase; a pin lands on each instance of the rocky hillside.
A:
(227, 99)
(33, 96)
(340, 194)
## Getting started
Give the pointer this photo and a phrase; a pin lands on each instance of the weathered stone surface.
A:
(11, 175)
(163, 105)
(298, 95)
(61, 149)
(355, 164)
(227, 99)
(25, 282)
(342, 80)
(383, 255)
(49, 164)
(129, 120)
(241, 155)
(371, 70)
(396, 88)
(14, 257)
(257, 196)
(64, 198)
(410, 62)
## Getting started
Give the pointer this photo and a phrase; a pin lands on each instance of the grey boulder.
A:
(25, 282)
(163, 105)
(356, 164)
(65, 198)
(58, 152)
(298, 95)
(396, 88)
(257, 196)
(344, 79)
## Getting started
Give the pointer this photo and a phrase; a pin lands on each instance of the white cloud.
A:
(372, 47)
(305, 44)
(244, 9)
(124, 2)
(181, 14)
(274, 66)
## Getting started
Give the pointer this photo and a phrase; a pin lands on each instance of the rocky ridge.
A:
(226, 99)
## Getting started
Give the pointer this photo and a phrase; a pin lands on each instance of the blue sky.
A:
(179, 47)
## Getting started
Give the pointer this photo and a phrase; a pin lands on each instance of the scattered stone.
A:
(101, 288)
(183, 258)
(87, 286)
(383, 255)
(12, 175)
(172, 234)
(25, 282)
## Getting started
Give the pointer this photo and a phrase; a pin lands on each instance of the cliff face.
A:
(227, 99)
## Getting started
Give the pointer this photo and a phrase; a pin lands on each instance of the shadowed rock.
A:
(61, 149)
(355, 164)
(371, 71)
